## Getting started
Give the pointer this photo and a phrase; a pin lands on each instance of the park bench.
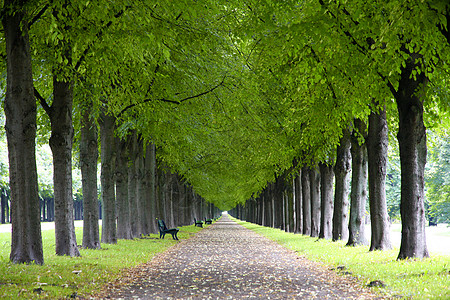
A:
(208, 221)
(163, 230)
(198, 223)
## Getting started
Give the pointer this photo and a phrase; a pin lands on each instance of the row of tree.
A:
(231, 93)
(54, 43)
(309, 201)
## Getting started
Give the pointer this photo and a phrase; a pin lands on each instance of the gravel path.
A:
(228, 261)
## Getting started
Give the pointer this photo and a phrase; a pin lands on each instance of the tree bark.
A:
(150, 173)
(290, 206)
(88, 165)
(314, 179)
(61, 141)
(341, 192)
(377, 147)
(108, 158)
(358, 193)
(413, 154)
(141, 190)
(306, 205)
(298, 202)
(326, 197)
(123, 205)
(20, 111)
(135, 221)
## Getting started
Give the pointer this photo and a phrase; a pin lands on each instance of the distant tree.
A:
(437, 178)
(342, 170)
(359, 193)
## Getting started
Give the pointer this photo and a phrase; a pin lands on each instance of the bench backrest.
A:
(162, 225)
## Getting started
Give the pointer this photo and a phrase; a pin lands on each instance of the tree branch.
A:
(98, 36)
(38, 16)
(172, 101)
(41, 99)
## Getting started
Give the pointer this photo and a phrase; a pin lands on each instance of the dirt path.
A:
(228, 261)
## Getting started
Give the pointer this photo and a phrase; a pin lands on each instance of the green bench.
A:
(198, 223)
(163, 230)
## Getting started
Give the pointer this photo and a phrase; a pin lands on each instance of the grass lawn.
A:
(408, 279)
(65, 277)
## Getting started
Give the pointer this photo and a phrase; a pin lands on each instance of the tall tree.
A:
(306, 197)
(314, 179)
(377, 143)
(121, 179)
(150, 195)
(108, 158)
(358, 194)
(413, 152)
(20, 111)
(61, 143)
(326, 200)
(88, 165)
(298, 216)
(133, 196)
(342, 170)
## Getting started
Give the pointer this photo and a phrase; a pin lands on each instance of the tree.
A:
(413, 150)
(342, 170)
(314, 179)
(298, 203)
(121, 179)
(358, 194)
(437, 178)
(326, 197)
(88, 165)
(306, 197)
(377, 143)
(108, 158)
(20, 111)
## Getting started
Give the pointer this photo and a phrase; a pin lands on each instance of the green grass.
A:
(62, 276)
(411, 279)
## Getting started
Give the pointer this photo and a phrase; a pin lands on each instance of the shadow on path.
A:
(228, 261)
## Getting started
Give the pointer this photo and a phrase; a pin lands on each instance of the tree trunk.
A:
(108, 158)
(290, 206)
(88, 165)
(298, 203)
(358, 194)
(341, 192)
(150, 173)
(314, 179)
(377, 145)
(61, 141)
(141, 190)
(279, 207)
(306, 205)
(123, 205)
(20, 111)
(326, 197)
(413, 154)
(135, 221)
